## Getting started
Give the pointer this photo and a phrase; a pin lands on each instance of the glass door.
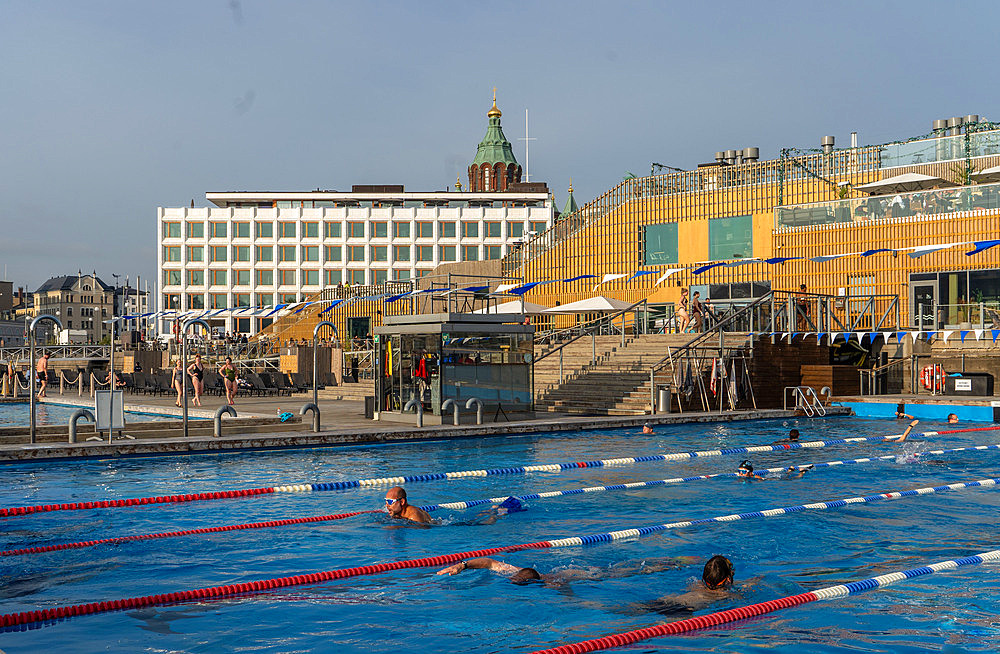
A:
(923, 298)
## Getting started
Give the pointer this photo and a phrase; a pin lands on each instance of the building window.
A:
(333, 277)
(241, 300)
(492, 251)
(381, 276)
(265, 253)
(380, 230)
(286, 277)
(241, 230)
(379, 253)
(217, 277)
(401, 252)
(171, 230)
(69, 324)
(730, 238)
(265, 299)
(287, 298)
(486, 179)
(196, 253)
(265, 230)
(425, 230)
(69, 311)
(171, 301)
(241, 253)
(515, 229)
(310, 253)
(171, 278)
(358, 277)
(196, 301)
(492, 230)
(331, 229)
(355, 230)
(310, 278)
(447, 252)
(355, 253)
(286, 253)
(241, 277)
(400, 274)
(218, 300)
(196, 277)
(286, 230)
(660, 244)
(334, 253)
(400, 230)
(172, 253)
(265, 278)
(218, 230)
(447, 229)
(310, 230)
(470, 253)
(470, 229)
(425, 253)
(218, 252)
(538, 226)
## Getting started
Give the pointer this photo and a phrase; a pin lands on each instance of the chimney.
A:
(751, 154)
(854, 139)
(827, 144)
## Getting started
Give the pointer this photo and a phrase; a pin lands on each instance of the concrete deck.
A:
(345, 424)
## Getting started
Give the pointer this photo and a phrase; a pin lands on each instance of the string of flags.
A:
(943, 334)
(520, 288)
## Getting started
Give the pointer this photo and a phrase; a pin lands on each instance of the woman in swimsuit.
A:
(682, 312)
(176, 379)
(228, 373)
(197, 372)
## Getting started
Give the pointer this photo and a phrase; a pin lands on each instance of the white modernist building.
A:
(259, 249)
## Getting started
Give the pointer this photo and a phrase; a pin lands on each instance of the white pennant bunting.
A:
(667, 273)
(610, 278)
(946, 334)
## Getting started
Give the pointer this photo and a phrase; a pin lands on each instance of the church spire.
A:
(494, 168)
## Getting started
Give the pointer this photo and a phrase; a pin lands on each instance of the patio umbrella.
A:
(513, 307)
(596, 304)
(988, 175)
(903, 183)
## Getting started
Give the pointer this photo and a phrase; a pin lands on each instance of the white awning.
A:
(513, 307)
(903, 183)
(988, 175)
(596, 304)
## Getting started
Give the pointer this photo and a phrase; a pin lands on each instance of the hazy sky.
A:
(112, 109)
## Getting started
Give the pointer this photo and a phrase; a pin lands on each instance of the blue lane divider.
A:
(679, 480)
(555, 467)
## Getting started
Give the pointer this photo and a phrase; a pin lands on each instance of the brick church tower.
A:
(494, 168)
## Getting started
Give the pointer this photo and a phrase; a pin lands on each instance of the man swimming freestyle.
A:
(397, 507)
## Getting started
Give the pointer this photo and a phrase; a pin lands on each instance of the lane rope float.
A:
(9, 512)
(60, 612)
(754, 610)
(461, 505)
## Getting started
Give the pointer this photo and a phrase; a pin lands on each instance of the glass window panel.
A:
(334, 277)
(196, 253)
(196, 230)
(660, 244)
(310, 253)
(470, 253)
(331, 229)
(310, 278)
(171, 230)
(196, 301)
(492, 251)
(356, 253)
(379, 253)
(241, 230)
(286, 253)
(401, 252)
(241, 253)
(425, 230)
(447, 252)
(470, 229)
(310, 230)
(196, 277)
(401, 229)
(265, 230)
(334, 253)
(219, 252)
(218, 230)
(265, 253)
(286, 230)
(265, 300)
(241, 277)
(447, 229)
(380, 229)
(730, 238)
(357, 276)
(172, 253)
(265, 277)
(492, 230)
(355, 230)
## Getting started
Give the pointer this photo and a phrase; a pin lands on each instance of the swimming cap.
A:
(510, 505)
(747, 465)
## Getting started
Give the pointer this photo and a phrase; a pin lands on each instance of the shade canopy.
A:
(596, 304)
(988, 175)
(903, 183)
(513, 307)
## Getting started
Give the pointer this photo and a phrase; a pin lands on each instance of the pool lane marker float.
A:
(754, 610)
(214, 592)
(10, 512)
(459, 505)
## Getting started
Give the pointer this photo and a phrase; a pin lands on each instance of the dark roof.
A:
(66, 283)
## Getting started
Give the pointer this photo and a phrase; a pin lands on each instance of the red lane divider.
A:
(186, 532)
(681, 626)
(134, 501)
(216, 592)
(959, 431)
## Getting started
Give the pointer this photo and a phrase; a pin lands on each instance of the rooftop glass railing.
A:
(899, 205)
(945, 148)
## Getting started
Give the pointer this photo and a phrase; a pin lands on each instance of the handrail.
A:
(872, 372)
(610, 320)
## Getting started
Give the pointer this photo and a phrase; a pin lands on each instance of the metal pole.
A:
(315, 333)
(111, 385)
(593, 348)
(560, 369)
(184, 386)
(920, 316)
(31, 373)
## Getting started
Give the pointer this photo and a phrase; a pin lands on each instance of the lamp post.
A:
(325, 323)
(184, 387)
(31, 371)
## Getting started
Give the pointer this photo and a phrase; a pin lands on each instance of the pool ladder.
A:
(805, 399)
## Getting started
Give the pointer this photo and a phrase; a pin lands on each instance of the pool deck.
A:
(346, 417)
(925, 407)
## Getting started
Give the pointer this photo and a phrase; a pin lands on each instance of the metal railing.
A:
(57, 352)
(872, 375)
(806, 399)
(964, 315)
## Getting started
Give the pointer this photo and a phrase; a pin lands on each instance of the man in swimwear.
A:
(952, 418)
(564, 576)
(900, 439)
(794, 472)
(397, 507)
(42, 374)
(793, 437)
(716, 580)
(647, 428)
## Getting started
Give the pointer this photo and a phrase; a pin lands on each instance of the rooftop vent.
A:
(827, 143)
(751, 154)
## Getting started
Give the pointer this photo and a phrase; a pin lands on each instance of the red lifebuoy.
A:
(932, 376)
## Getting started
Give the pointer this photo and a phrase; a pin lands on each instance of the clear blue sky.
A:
(111, 109)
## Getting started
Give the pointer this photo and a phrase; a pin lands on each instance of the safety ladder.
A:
(806, 399)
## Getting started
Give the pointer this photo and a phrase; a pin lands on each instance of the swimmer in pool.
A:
(716, 582)
(647, 428)
(793, 437)
(900, 439)
(952, 418)
(397, 507)
(566, 575)
(792, 472)
(901, 413)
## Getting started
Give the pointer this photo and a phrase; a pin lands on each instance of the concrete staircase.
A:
(348, 391)
(617, 383)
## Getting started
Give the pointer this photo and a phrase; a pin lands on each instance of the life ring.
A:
(932, 375)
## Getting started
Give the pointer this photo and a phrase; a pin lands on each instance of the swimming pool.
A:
(477, 611)
(16, 414)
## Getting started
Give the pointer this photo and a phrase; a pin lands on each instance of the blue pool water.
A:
(16, 414)
(477, 611)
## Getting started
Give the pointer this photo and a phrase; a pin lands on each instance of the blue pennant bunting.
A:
(707, 267)
(578, 278)
(982, 245)
(868, 253)
(641, 273)
(774, 260)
